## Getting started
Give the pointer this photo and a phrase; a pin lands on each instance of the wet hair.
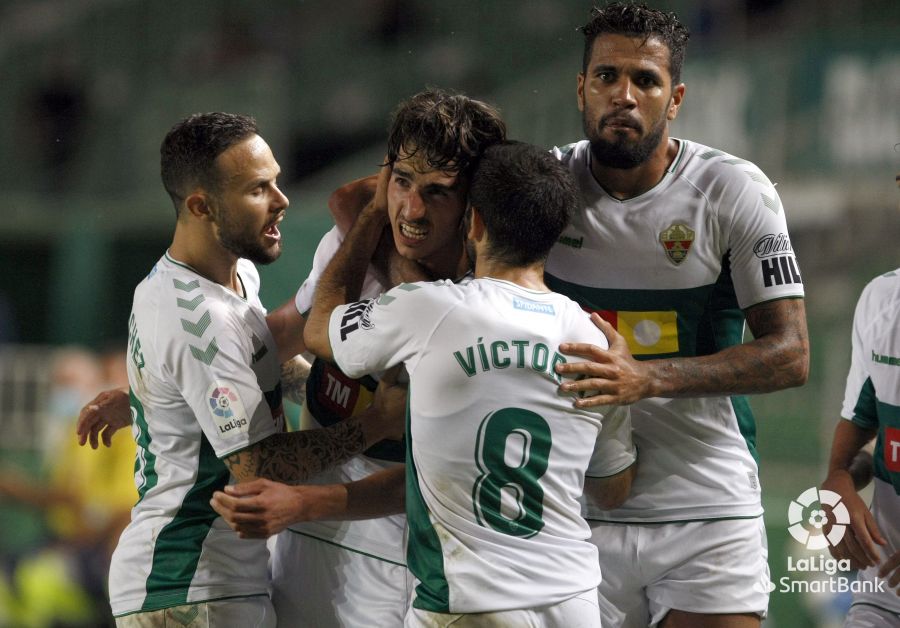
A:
(189, 151)
(525, 197)
(637, 20)
(447, 129)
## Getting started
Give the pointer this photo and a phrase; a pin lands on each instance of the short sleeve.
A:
(217, 382)
(859, 394)
(763, 264)
(614, 450)
(326, 249)
(373, 335)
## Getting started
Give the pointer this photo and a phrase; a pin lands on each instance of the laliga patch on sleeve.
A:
(227, 410)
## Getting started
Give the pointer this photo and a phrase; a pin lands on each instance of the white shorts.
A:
(243, 612)
(317, 584)
(580, 611)
(698, 567)
(865, 615)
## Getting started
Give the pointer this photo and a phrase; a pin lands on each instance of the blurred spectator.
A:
(85, 497)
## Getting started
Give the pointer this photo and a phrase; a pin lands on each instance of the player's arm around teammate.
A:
(777, 358)
(261, 508)
(341, 281)
(611, 492)
(109, 411)
(288, 457)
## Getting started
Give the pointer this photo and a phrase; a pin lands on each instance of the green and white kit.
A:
(872, 401)
(205, 383)
(334, 574)
(496, 456)
(672, 270)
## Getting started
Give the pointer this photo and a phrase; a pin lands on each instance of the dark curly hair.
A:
(450, 130)
(189, 151)
(638, 20)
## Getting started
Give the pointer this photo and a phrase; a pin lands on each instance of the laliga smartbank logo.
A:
(815, 572)
(807, 522)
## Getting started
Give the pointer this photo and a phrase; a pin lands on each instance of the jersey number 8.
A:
(512, 454)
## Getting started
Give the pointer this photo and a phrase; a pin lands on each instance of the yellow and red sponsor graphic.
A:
(892, 449)
(341, 395)
(647, 333)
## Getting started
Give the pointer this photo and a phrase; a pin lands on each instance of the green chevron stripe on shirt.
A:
(192, 304)
(772, 203)
(186, 287)
(205, 356)
(198, 328)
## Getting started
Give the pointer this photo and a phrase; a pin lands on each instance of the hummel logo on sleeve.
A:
(351, 318)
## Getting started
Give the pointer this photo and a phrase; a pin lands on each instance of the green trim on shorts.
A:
(355, 551)
(206, 601)
(652, 523)
(881, 608)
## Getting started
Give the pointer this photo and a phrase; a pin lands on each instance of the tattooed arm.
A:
(295, 457)
(261, 508)
(777, 358)
(294, 374)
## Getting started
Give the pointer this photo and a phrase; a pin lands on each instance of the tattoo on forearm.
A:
(777, 358)
(297, 456)
(294, 374)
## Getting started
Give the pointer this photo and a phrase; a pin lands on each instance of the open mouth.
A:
(413, 233)
(272, 231)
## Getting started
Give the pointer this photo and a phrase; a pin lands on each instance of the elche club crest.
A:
(676, 242)
(808, 518)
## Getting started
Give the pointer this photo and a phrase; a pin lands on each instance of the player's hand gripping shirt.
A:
(496, 456)
(205, 383)
(872, 397)
(332, 396)
(672, 270)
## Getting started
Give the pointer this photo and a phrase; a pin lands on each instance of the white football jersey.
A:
(496, 455)
(872, 396)
(332, 396)
(672, 270)
(205, 383)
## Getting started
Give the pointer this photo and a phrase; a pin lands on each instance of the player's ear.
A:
(580, 91)
(474, 224)
(197, 204)
(675, 101)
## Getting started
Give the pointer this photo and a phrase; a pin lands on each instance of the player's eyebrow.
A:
(407, 172)
(603, 67)
(264, 178)
(402, 171)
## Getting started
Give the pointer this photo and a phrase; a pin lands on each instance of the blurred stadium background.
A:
(807, 89)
